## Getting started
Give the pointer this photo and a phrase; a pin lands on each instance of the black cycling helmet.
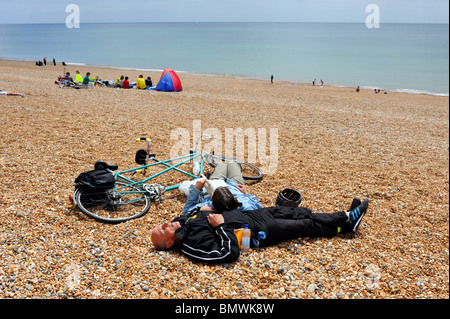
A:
(289, 198)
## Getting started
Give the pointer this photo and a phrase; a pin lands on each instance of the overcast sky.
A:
(391, 11)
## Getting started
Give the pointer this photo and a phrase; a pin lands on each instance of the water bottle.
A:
(246, 234)
(196, 169)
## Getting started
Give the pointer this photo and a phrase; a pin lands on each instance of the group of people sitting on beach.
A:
(141, 83)
(122, 82)
(44, 62)
(79, 81)
(375, 90)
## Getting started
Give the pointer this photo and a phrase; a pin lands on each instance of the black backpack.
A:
(97, 180)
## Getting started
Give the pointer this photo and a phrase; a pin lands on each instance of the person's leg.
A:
(302, 222)
(282, 224)
(302, 213)
(234, 172)
(291, 223)
(289, 229)
(287, 223)
(220, 171)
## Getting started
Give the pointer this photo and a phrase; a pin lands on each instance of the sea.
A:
(412, 58)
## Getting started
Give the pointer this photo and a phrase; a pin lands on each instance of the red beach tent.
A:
(169, 82)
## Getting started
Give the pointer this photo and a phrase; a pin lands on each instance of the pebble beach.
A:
(333, 144)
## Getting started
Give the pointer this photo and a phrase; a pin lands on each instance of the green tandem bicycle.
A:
(127, 198)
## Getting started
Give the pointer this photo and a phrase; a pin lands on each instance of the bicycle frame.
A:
(141, 193)
(183, 160)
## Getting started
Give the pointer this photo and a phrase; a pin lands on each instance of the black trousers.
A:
(286, 223)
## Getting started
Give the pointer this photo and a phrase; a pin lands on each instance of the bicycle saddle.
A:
(103, 165)
(141, 157)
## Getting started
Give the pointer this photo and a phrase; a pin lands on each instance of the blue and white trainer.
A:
(355, 216)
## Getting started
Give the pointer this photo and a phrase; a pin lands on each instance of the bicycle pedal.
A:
(154, 189)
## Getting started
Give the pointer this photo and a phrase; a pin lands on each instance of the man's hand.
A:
(243, 189)
(215, 220)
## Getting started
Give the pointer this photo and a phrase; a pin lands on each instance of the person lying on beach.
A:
(237, 196)
(68, 77)
(65, 80)
(209, 237)
(11, 94)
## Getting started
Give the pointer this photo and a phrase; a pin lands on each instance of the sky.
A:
(391, 11)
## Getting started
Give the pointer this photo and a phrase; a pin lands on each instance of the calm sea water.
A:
(397, 57)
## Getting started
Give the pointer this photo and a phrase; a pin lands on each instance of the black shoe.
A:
(355, 203)
(356, 215)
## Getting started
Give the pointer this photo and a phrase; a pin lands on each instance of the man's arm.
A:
(191, 200)
(193, 196)
(221, 246)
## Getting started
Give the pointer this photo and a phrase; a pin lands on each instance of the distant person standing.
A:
(314, 82)
(357, 89)
(54, 62)
(321, 83)
(45, 61)
(271, 78)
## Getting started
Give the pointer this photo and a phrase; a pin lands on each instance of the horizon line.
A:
(197, 22)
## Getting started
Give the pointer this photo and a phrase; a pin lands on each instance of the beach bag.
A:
(96, 180)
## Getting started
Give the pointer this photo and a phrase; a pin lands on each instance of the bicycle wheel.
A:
(123, 203)
(249, 171)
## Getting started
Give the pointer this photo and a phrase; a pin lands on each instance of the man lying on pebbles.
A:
(11, 94)
(209, 236)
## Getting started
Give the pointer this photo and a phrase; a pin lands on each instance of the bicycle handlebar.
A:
(204, 136)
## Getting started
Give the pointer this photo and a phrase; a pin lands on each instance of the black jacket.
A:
(199, 241)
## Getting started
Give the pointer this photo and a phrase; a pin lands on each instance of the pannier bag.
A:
(99, 179)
